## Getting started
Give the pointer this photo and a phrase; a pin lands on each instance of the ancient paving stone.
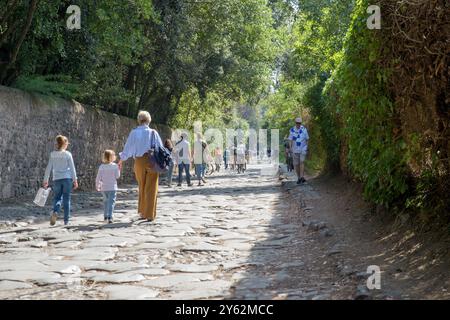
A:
(127, 292)
(69, 237)
(238, 245)
(235, 236)
(192, 268)
(8, 239)
(28, 275)
(199, 292)
(12, 265)
(68, 244)
(156, 265)
(152, 272)
(61, 265)
(95, 253)
(159, 245)
(40, 244)
(110, 241)
(169, 233)
(163, 239)
(72, 269)
(172, 280)
(119, 278)
(205, 247)
(6, 285)
(117, 266)
(216, 285)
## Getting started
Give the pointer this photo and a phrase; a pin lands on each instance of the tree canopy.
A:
(141, 54)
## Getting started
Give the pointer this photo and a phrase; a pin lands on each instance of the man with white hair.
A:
(298, 137)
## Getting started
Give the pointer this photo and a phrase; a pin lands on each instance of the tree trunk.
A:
(15, 51)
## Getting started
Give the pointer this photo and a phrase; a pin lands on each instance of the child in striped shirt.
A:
(106, 182)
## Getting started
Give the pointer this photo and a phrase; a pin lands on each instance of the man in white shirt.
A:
(298, 137)
(240, 157)
(183, 156)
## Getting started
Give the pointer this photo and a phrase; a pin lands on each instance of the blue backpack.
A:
(160, 158)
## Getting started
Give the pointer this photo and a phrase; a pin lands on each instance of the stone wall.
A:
(29, 124)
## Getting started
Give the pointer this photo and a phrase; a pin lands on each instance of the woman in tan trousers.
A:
(138, 145)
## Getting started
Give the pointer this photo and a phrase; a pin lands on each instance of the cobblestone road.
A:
(215, 241)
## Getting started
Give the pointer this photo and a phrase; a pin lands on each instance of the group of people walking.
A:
(183, 157)
(202, 160)
(140, 143)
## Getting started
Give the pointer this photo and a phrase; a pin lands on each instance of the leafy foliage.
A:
(141, 54)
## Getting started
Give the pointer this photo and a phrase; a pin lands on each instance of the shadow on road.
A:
(280, 267)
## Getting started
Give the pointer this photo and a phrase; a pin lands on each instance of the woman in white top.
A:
(138, 145)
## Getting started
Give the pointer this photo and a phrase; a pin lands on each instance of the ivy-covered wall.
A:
(388, 104)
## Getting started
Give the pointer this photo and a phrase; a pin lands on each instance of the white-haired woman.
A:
(138, 145)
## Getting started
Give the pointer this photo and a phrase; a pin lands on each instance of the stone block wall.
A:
(29, 124)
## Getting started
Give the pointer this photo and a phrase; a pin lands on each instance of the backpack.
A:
(160, 157)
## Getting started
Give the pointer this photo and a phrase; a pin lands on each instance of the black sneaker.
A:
(179, 185)
(302, 180)
(110, 220)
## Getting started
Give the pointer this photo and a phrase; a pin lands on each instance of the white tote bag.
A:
(41, 196)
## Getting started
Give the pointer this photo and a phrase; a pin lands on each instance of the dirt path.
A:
(344, 235)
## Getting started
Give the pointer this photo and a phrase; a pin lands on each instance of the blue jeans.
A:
(186, 167)
(62, 189)
(200, 171)
(203, 170)
(109, 200)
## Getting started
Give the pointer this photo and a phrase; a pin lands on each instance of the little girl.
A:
(64, 177)
(106, 182)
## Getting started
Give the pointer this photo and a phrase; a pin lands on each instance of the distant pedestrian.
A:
(106, 183)
(298, 136)
(169, 146)
(183, 158)
(226, 157)
(139, 144)
(201, 156)
(218, 158)
(62, 167)
(240, 158)
(233, 155)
